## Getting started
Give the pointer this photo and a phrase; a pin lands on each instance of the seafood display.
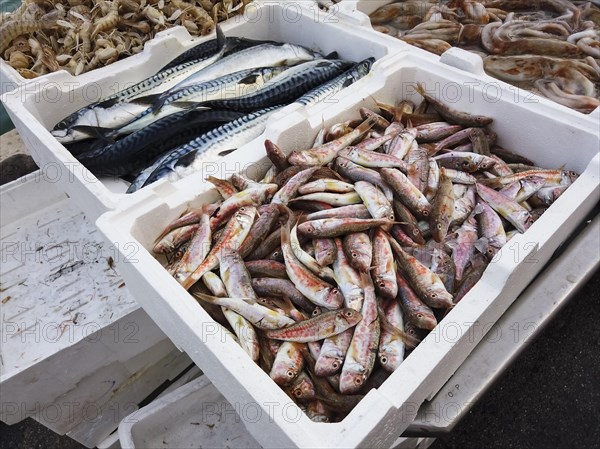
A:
(335, 265)
(204, 104)
(550, 47)
(40, 37)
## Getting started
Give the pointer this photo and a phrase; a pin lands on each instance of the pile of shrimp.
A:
(551, 47)
(43, 36)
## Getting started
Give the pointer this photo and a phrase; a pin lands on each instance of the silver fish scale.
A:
(220, 136)
(332, 87)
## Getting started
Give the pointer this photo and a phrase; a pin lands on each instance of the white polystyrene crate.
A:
(37, 106)
(530, 130)
(68, 324)
(194, 415)
(358, 11)
(10, 78)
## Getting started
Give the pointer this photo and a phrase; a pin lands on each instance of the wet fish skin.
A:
(376, 202)
(332, 354)
(384, 270)
(315, 289)
(288, 363)
(281, 288)
(414, 309)
(371, 159)
(442, 208)
(335, 227)
(326, 91)
(197, 250)
(451, 115)
(426, 284)
(391, 347)
(235, 232)
(268, 214)
(491, 229)
(361, 355)
(266, 269)
(326, 185)
(356, 172)
(317, 328)
(408, 222)
(359, 250)
(352, 211)
(325, 251)
(258, 315)
(467, 162)
(516, 214)
(327, 152)
(347, 278)
(412, 197)
(290, 189)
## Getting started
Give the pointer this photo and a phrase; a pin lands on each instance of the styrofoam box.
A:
(196, 415)
(69, 326)
(358, 11)
(37, 106)
(531, 130)
(10, 78)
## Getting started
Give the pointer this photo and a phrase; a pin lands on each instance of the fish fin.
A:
(250, 79)
(333, 55)
(226, 152)
(221, 40)
(96, 132)
(108, 103)
(146, 100)
(204, 297)
(185, 104)
(481, 244)
(183, 161)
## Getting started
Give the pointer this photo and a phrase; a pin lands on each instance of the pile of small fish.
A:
(551, 47)
(344, 256)
(207, 102)
(43, 36)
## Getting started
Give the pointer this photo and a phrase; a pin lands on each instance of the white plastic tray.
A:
(357, 12)
(531, 130)
(68, 325)
(37, 106)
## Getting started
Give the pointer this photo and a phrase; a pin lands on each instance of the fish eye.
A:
(335, 364)
(179, 254)
(275, 253)
(297, 392)
(425, 213)
(391, 217)
(439, 226)
(349, 314)
(382, 284)
(335, 291)
(465, 163)
(433, 295)
(358, 381)
(383, 359)
(354, 255)
(419, 315)
(411, 331)
(315, 312)
(242, 209)
(289, 373)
